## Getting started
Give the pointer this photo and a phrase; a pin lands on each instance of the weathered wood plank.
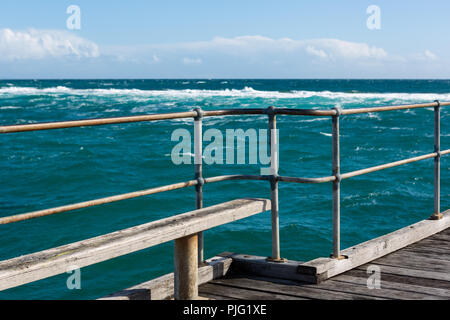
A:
(382, 292)
(419, 247)
(428, 255)
(360, 254)
(297, 289)
(438, 243)
(410, 272)
(242, 293)
(402, 279)
(163, 287)
(428, 292)
(358, 287)
(36, 266)
(442, 236)
(260, 266)
(412, 261)
(186, 268)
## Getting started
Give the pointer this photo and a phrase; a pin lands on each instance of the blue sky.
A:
(224, 39)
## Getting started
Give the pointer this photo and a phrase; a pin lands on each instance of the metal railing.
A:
(198, 114)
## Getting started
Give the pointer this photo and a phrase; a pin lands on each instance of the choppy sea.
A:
(45, 169)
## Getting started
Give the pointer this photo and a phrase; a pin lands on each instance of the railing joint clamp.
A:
(438, 104)
(200, 114)
(270, 111)
(273, 178)
(200, 181)
(338, 177)
(338, 110)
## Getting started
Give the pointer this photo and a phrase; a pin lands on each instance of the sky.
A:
(224, 39)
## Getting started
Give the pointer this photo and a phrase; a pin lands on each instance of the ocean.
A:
(46, 169)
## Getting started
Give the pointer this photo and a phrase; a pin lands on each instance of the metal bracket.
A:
(436, 216)
(273, 178)
(341, 257)
(338, 110)
(277, 260)
(200, 181)
(338, 177)
(270, 111)
(200, 113)
(438, 104)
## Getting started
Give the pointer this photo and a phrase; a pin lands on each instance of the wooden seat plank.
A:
(47, 263)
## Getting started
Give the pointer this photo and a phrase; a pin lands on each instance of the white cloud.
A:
(430, 55)
(423, 57)
(260, 56)
(243, 57)
(336, 48)
(155, 58)
(323, 48)
(258, 50)
(41, 44)
(190, 61)
(316, 52)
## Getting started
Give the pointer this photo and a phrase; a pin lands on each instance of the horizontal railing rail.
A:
(211, 113)
(190, 183)
(273, 178)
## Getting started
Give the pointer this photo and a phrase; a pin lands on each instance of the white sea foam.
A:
(10, 107)
(374, 116)
(247, 92)
(299, 119)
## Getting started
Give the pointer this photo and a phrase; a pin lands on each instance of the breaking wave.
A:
(247, 92)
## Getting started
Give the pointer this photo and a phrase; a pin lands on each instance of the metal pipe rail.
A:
(96, 202)
(212, 113)
(274, 178)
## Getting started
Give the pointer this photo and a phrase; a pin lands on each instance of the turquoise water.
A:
(50, 168)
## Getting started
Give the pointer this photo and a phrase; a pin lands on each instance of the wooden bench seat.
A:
(47, 263)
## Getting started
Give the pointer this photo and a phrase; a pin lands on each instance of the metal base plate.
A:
(280, 260)
(436, 216)
(338, 258)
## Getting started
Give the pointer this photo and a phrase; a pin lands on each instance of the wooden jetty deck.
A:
(417, 272)
(413, 263)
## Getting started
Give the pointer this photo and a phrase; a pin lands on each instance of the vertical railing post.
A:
(437, 162)
(336, 171)
(198, 160)
(274, 185)
(186, 268)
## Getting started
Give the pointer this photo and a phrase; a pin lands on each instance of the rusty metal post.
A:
(274, 186)
(186, 268)
(198, 160)
(336, 172)
(437, 163)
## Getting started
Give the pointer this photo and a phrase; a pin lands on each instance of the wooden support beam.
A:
(324, 268)
(261, 266)
(162, 288)
(47, 263)
(186, 265)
